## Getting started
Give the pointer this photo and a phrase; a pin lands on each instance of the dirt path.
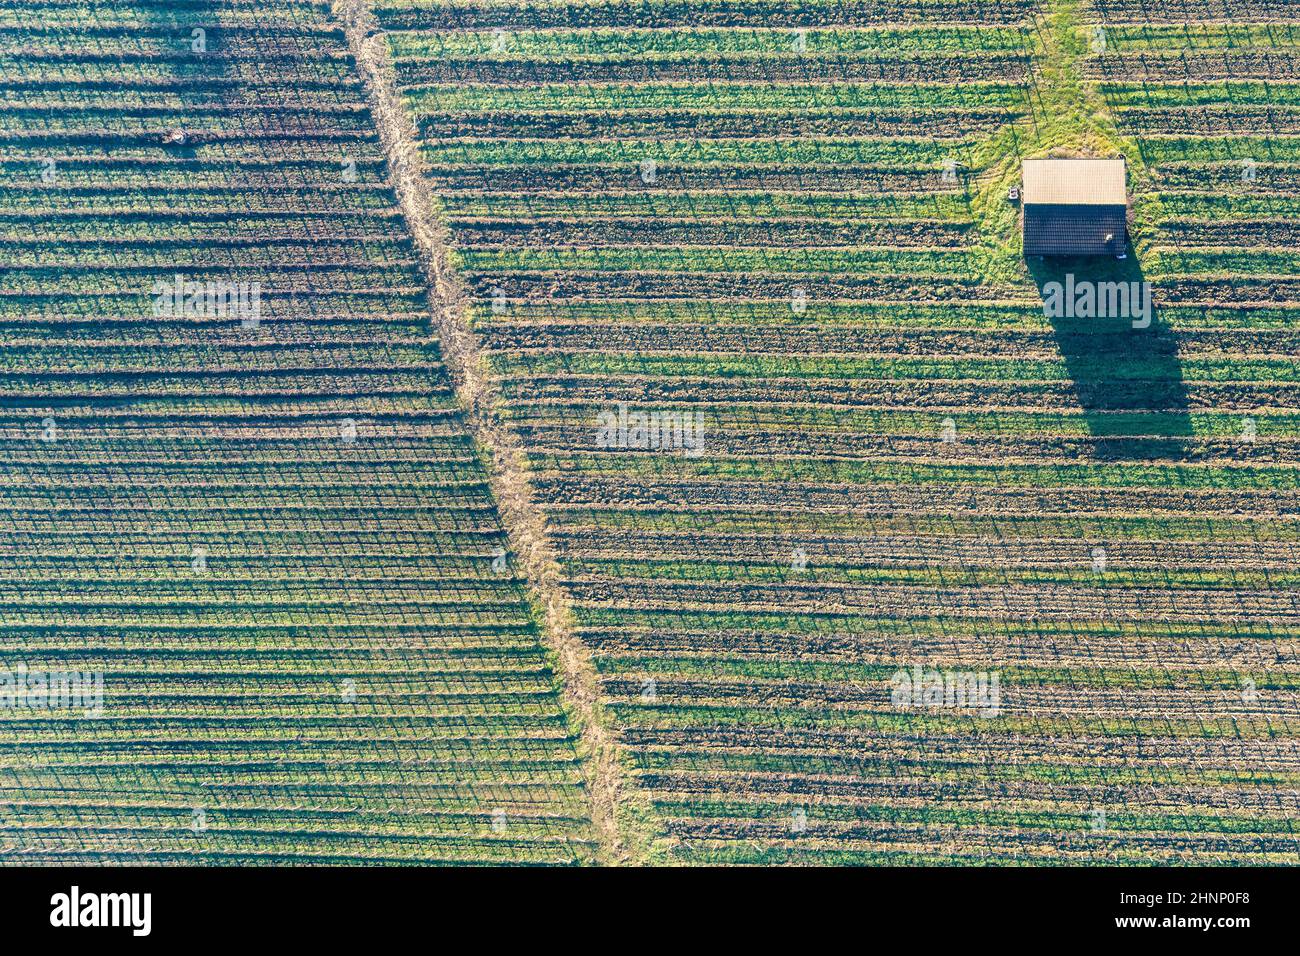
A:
(523, 518)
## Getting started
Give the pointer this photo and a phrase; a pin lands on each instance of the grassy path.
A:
(614, 812)
(1067, 116)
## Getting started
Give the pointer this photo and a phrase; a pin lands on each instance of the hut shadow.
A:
(1128, 380)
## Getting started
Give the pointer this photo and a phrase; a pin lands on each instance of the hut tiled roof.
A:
(1075, 207)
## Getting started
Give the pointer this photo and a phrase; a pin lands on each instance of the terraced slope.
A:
(271, 533)
(790, 219)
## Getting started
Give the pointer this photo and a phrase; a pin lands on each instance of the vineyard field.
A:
(596, 432)
(271, 533)
(791, 224)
